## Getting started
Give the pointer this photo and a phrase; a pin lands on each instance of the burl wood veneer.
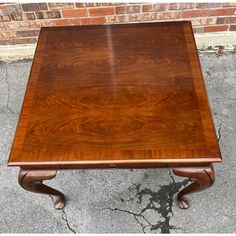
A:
(115, 96)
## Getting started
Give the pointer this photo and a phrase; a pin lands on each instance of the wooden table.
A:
(115, 96)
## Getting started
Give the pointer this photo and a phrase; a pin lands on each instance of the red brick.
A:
(27, 7)
(79, 5)
(62, 22)
(75, 21)
(43, 6)
(65, 22)
(135, 17)
(231, 4)
(7, 34)
(3, 26)
(197, 21)
(133, 8)
(31, 16)
(18, 17)
(101, 11)
(92, 21)
(7, 41)
(98, 20)
(210, 20)
(112, 19)
(194, 13)
(222, 12)
(48, 14)
(17, 25)
(32, 40)
(47, 23)
(203, 21)
(121, 9)
(226, 20)
(92, 4)
(40, 23)
(216, 28)
(181, 6)
(30, 7)
(27, 33)
(74, 13)
(170, 15)
(147, 8)
(84, 21)
(117, 18)
(206, 17)
(143, 17)
(9, 9)
(123, 18)
(173, 6)
(149, 16)
(4, 18)
(35, 24)
(184, 6)
(160, 7)
(198, 29)
(59, 6)
(232, 28)
(222, 20)
(208, 5)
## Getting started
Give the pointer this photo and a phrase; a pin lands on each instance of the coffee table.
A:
(115, 96)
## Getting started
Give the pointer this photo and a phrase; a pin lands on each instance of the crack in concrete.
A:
(219, 131)
(160, 202)
(64, 217)
(135, 215)
(8, 95)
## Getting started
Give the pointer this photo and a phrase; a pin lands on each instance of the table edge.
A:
(117, 163)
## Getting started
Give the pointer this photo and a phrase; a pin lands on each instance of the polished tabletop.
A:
(122, 95)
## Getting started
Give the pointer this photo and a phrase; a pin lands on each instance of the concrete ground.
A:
(122, 201)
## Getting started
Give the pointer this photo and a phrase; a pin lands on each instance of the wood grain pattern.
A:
(115, 94)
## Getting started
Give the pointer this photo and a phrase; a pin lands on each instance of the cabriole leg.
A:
(202, 178)
(32, 180)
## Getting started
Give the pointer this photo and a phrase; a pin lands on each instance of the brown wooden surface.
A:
(115, 94)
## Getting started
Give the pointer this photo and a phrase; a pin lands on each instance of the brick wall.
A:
(20, 23)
